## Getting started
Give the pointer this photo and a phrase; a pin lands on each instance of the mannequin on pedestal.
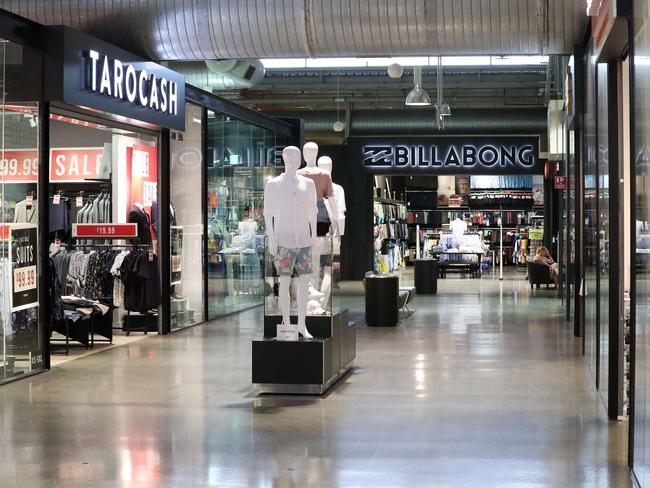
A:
(290, 207)
(336, 208)
(324, 190)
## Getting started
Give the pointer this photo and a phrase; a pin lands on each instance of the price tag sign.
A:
(57, 199)
(114, 231)
(151, 255)
(29, 200)
(25, 279)
(22, 255)
(19, 165)
(80, 202)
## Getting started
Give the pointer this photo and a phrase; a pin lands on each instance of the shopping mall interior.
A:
(325, 244)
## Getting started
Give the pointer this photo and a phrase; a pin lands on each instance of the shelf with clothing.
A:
(390, 234)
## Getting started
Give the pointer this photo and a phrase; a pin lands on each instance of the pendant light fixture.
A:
(442, 109)
(417, 97)
(338, 126)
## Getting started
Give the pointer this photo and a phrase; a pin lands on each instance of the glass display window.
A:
(186, 214)
(240, 159)
(21, 334)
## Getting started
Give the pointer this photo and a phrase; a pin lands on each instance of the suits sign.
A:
(22, 255)
(450, 155)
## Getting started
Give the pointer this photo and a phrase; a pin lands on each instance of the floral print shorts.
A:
(287, 259)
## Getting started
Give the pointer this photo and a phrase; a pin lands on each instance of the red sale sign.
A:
(78, 164)
(71, 165)
(19, 165)
(117, 231)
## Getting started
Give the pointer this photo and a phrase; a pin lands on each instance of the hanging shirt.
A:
(26, 214)
(290, 207)
(321, 178)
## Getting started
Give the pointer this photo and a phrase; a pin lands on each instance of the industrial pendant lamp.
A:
(417, 97)
(442, 109)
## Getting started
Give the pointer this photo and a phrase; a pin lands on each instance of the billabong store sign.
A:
(450, 155)
(86, 71)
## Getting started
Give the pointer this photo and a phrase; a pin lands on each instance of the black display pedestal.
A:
(382, 301)
(309, 366)
(426, 276)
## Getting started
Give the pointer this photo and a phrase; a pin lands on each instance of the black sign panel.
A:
(24, 278)
(449, 155)
(86, 71)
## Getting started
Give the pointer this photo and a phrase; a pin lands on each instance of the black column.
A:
(204, 197)
(616, 233)
(164, 251)
(43, 230)
(579, 94)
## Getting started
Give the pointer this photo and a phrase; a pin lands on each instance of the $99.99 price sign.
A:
(23, 255)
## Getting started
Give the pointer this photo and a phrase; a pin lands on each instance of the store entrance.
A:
(103, 233)
(470, 224)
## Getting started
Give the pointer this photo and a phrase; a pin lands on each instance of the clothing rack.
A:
(135, 246)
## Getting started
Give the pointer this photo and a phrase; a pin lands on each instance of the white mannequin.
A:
(290, 216)
(336, 208)
(458, 227)
(310, 154)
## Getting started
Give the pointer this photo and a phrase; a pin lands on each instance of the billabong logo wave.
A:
(378, 155)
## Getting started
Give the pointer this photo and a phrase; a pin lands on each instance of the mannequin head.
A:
(310, 153)
(325, 163)
(291, 158)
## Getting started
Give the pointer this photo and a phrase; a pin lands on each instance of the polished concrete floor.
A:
(484, 386)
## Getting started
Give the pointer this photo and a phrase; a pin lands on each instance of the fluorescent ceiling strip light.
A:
(406, 61)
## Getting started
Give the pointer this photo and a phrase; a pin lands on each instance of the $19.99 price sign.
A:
(23, 255)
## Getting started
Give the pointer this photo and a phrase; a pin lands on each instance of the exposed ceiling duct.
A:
(423, 121)
(237, 29)
(234, 74)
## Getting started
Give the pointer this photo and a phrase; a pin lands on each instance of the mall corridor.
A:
(483, 386)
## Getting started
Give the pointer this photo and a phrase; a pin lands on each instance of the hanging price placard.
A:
(115, 231)
(22, 255)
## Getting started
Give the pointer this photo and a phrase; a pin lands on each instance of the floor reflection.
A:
(483, 386)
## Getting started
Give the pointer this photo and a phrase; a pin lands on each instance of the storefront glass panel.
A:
(603, 231)
(640, 114)
(241, 157)
(590, 220)
(21, 334)
(186, 222)
(571, 223)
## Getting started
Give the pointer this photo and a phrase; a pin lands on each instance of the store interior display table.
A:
(446, 265)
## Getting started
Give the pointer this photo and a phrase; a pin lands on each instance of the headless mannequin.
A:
(283, 189)
(458, 228)
(336, 208)
(310, 154)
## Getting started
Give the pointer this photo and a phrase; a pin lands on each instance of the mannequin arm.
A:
(331, 206)
(268, 223)
(313, 211)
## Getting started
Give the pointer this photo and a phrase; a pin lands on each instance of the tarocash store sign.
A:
(452, 155)
(123, 81)
(88, 72)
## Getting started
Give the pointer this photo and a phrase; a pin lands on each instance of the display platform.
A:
(306, 366)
